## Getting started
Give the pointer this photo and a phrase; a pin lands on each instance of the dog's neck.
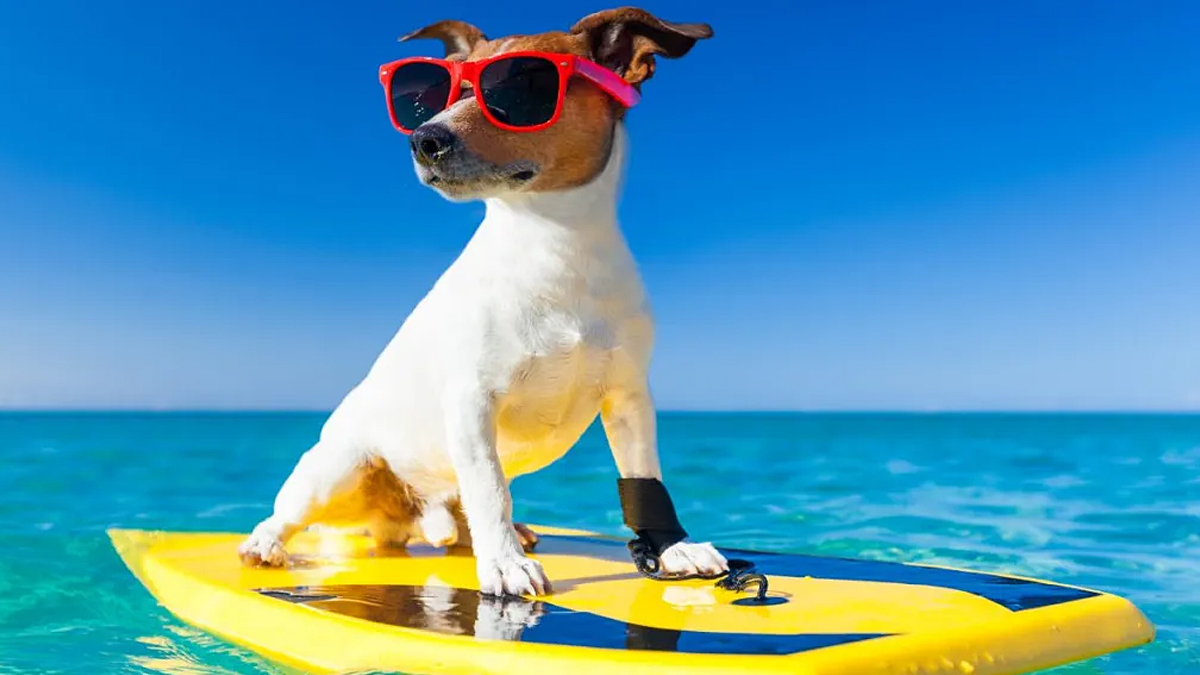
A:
(587, 208)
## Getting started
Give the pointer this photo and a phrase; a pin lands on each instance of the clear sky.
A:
(870, 205)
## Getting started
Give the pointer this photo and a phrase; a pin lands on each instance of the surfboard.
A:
(342, 605)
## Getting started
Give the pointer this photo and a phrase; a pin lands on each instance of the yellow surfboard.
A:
(341, 606)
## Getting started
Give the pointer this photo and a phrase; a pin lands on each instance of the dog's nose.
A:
(431, 142)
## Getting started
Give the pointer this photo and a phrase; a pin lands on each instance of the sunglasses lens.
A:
(419, 91)
(521, 91)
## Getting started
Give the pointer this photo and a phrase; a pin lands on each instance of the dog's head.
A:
(464, 156)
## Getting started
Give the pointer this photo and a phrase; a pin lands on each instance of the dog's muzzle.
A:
(445, 162)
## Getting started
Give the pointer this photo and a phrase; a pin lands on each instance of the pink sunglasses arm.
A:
(609, 81)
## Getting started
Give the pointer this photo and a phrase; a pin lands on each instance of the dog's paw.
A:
(686, 557)
(390, 534)
(512, 574)
(526, 536)
(438, 526)
(262, 549)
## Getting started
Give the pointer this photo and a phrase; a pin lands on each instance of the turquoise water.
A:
(1111, 502)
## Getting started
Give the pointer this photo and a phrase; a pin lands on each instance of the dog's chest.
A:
(571, 354)
(565, 316)
(565, 360)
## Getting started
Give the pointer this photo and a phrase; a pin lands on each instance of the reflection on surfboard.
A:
(433, 607)
(459, 611)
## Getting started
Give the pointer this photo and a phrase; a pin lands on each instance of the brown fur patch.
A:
(458, 37)
(390, 497)
(569, 153)
(376, 495)
(625, 40)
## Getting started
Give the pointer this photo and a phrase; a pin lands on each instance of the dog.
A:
(539, 326)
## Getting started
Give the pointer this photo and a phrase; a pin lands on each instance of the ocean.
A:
(1105, 501)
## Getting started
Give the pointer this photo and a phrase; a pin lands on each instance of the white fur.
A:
(539, 325)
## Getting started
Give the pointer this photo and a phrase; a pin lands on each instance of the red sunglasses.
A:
(517, 91)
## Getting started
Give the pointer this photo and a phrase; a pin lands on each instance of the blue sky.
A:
(925, 205)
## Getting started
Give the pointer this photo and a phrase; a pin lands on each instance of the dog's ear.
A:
(459, 37)
(625, 40)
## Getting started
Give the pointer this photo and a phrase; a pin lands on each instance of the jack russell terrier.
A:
(539, 325)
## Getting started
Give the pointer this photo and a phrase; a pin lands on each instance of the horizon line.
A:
(5, 410)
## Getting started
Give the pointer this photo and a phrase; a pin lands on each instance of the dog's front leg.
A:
(629, 423)
(501, 564)
(323, 473)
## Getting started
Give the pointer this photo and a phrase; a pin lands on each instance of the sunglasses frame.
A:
(568, 65)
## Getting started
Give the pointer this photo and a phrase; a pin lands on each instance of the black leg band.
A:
(648, 511)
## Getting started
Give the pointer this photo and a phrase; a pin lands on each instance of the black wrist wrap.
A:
(648, 511)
